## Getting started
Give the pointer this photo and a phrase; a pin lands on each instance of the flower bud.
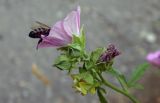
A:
(110, 53)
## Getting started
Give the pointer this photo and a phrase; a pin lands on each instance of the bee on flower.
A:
(61, 33)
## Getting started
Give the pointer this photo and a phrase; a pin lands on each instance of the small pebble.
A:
(148, 36)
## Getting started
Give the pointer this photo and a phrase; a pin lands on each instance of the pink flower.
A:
(154, 58)
(62, 32)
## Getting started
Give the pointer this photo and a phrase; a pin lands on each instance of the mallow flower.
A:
(154, 58)
(62, 32)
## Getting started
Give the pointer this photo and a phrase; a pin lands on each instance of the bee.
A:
(41, 29)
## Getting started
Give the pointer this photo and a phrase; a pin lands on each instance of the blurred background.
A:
(132, 25)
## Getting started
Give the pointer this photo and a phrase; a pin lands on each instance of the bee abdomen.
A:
(36, 33)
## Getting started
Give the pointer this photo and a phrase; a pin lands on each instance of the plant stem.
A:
(118, 90)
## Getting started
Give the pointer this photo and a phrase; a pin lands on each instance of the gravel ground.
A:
(132, 25)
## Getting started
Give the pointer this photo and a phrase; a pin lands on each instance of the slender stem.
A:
(118, 90)
(101, 96)
(122, 84)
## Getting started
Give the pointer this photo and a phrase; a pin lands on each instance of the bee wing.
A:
(40, 25)
(43, 25)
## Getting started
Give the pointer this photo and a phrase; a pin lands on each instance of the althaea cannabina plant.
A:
(69, 38)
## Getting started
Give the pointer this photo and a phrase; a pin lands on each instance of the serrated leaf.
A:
(138, 73)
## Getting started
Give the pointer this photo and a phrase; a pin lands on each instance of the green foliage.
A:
(88, 78)
(96, 54)
(63, 63)
(120, 77)
(84, 83)
(80, 40)
(137, 74)
(92, 61)
(83, 39)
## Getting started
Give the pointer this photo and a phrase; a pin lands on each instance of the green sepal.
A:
(79, 39)
(82, 38)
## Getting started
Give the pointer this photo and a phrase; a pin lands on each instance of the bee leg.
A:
(39, 43)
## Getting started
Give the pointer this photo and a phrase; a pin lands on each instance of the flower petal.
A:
(72, 22)
(57, 31)
(154, 58)
(51, 42)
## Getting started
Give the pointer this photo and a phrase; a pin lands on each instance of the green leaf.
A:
(96, 54)
(63, 66)
(120, 77)
(137, 74)
(101, 96)
(63, 63)
(61, 58)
